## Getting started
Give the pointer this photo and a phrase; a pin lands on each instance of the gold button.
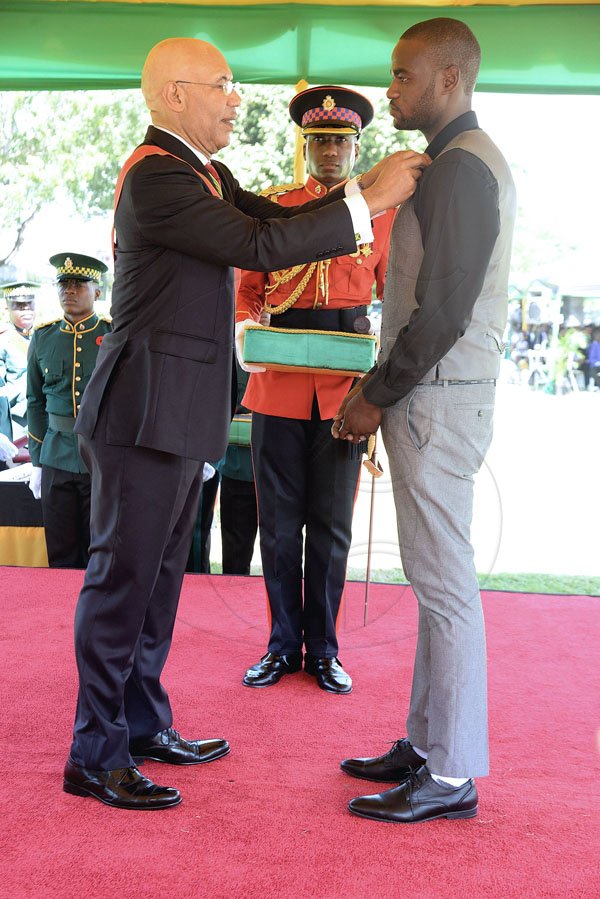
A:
(78, 349)
(359, 261)
(80, 337)
(45, 371)
(77, 393)
(77, 377)
(77, 365)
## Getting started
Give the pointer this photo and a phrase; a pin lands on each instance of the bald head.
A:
(183, 83)
(177, 59)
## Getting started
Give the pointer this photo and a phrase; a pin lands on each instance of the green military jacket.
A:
(61, 360)
(5, 420)
(14, 345)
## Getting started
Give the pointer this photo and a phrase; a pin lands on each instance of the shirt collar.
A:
(465, 122)
(203, 159)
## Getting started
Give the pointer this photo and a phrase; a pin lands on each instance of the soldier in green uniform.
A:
(7, 448)
(14, 344)
(61, 360)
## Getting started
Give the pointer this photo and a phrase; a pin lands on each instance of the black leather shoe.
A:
(393, 767)
(420, 798)
(329, 673)
(271, 669)
(170, 747)
(121, 788)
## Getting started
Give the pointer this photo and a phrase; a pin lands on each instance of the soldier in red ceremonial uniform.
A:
(303, 479)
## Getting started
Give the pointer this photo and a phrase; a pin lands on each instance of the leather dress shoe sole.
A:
(470, 813)
(169, 747)
(171, 761)
(122, 788)
(382, 780)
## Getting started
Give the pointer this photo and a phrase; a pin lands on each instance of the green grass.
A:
(566, 585)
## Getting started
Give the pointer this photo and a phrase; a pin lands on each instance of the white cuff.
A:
(352, 188)
(361, 218)
(208, 472)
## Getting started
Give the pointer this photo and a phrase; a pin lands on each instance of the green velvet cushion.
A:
(332, 351)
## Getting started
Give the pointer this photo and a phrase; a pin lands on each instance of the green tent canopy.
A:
(77, 44)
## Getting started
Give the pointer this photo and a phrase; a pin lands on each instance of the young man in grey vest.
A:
(432, 391)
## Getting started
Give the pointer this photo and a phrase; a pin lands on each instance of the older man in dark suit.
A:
(158, 404)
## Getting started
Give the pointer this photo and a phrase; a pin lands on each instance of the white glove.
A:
(208, 472)
(8, 450)
(35, 482)
(239, 346)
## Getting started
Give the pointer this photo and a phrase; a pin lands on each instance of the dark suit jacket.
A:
(165, 371)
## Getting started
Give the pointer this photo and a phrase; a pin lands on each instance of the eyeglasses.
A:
(228, 87)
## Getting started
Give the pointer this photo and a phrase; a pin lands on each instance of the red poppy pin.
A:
(99, 339)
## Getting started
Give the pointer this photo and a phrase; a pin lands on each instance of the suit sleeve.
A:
(457, 209)
(172, 210)
(37, 417)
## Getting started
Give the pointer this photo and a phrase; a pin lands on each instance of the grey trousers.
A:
(436, 439)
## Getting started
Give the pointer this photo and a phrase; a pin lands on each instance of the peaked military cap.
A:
(76, 267)
(330, 108)
(19, 291)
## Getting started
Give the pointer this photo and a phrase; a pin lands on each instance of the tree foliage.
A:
(57, 144)
(72, 145)
(262, 149)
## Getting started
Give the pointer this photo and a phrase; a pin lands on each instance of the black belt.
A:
(61, 423)
(322, 319)
(445, 382)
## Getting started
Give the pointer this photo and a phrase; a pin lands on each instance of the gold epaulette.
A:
(275, 190)
(51, 321)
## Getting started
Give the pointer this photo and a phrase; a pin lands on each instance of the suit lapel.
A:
(158, 138)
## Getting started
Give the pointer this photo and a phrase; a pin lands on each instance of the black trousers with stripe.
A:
(305, 481)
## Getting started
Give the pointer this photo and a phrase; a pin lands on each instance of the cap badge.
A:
(328, 103)
(68, 264)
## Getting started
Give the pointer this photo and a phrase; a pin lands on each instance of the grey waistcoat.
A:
(478, 352)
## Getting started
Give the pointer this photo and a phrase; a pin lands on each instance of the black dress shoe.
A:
(393, 767)
(271, 669)
(170, 747)
(121, 788)
(420, 798)
(329, 673)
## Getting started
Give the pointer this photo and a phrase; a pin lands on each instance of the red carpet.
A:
(271, 819)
